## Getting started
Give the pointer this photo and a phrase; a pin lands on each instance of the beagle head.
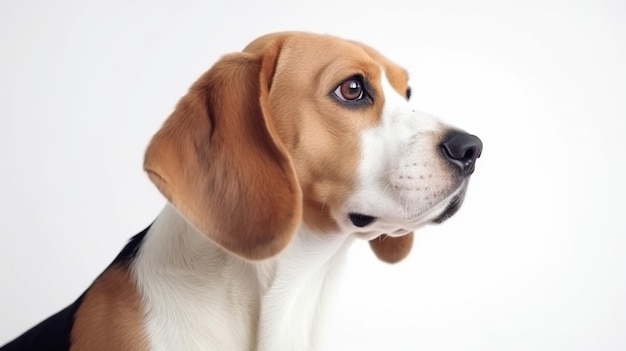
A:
(305, 129)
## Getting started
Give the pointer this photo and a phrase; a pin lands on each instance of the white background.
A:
(536, 258)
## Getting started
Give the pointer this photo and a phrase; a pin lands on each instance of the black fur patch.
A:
(54, 333)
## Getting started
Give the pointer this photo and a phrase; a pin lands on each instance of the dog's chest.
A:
(185, 313)
(196, 297)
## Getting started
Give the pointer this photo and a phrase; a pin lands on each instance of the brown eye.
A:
(350, 90)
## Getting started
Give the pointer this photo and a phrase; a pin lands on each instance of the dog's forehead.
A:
(397, 75)
(322, 51)
(320, 56)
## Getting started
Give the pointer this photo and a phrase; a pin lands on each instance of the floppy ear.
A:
(218, 160)
(392, 249)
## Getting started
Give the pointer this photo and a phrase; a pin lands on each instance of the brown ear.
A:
(392, 249)
(218, 161)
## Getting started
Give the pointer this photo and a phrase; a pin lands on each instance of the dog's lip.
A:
(452, 208)
(439, 213)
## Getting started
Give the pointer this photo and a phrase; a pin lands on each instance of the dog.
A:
(273, 163)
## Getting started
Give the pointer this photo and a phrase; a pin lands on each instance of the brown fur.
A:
(219, 162)
(258, 144)
(392, 249)
(110, 317)
(321, 135)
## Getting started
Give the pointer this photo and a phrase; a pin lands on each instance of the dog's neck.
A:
(196, 294)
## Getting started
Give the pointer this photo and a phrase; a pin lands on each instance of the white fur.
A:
(403, 179)
(198, 297)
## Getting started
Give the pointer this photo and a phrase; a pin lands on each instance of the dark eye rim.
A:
(366, 97)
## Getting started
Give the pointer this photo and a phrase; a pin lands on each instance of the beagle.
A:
(273, 163)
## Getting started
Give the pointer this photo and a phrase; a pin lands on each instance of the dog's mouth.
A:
(361, 220)
(370, 225)
(453, 207)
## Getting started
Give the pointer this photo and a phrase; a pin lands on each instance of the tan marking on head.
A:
(398, 77)
(322, 135)
(110, 316)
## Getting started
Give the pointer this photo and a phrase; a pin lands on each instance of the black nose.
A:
(462, 149)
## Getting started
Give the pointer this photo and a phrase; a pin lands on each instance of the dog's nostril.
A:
(360, 220)
(462, 149)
